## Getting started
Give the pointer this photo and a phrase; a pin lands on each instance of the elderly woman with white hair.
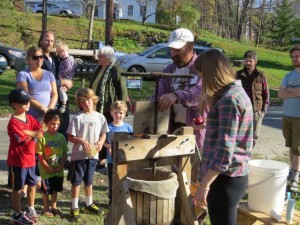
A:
(108, 84)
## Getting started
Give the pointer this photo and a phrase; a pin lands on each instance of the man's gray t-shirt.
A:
(291, 106)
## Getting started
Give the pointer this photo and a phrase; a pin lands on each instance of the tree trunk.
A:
(237, 17)
(91, 21)
(44, 16)
(109, 22)
(242, 18)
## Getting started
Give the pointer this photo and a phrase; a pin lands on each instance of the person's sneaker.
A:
(21, 219)
(74, 215)
(32, 214)
(93, 209)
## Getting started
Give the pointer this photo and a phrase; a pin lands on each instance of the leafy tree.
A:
(162, 14)
(178, 13)
(282, 25)
(189, 16)
(297, 30)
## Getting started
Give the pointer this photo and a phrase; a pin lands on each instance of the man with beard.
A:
(51, 63)
(182, 95)
(255, 84)
(289, 91)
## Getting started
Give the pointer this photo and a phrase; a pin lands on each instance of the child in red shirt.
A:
(22, 129)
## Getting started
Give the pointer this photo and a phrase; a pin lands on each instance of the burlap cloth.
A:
(163, 184)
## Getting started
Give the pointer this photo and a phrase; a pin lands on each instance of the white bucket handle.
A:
(260, 182)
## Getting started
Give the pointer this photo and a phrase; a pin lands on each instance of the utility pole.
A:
(44, 16)
(109, 22)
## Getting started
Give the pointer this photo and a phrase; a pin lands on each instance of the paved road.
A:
(269, 145)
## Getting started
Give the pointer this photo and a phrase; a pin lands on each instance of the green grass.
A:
(100, 197)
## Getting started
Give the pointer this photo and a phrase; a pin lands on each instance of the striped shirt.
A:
(229, 133)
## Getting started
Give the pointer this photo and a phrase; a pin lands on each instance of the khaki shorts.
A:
(291, 133)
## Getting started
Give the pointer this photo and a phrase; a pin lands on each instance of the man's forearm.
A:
(284, 93)
(295, 91)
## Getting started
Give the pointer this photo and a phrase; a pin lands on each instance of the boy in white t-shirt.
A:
(87, 130)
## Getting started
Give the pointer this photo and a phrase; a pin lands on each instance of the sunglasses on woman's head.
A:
(36, 57)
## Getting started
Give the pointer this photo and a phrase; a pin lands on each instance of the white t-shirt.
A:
(181, 84)
(88, 126)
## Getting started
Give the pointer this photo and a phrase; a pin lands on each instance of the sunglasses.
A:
(37, 57)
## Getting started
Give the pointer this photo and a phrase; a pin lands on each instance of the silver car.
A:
(53, 9)
(152, 59)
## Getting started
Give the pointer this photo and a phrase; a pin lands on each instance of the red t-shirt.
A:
(21, 152)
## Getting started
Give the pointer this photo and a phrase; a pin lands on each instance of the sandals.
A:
(57, 212)
(48, 213)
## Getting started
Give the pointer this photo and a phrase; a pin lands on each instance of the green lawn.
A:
(100, 197)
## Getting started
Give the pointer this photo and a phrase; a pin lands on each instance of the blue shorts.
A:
(82, 170)
(22, 176)
(51, 185)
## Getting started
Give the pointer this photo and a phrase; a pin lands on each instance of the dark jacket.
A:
(115, 89)
(256, 88)
(52, 67)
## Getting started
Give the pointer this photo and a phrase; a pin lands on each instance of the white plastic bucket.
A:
(267, 185)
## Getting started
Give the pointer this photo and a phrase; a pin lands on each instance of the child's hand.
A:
(64, 88)
(99, 146)
(59, 168)
(85, 144)
(109, 150)
(27, 132)
(49, 169)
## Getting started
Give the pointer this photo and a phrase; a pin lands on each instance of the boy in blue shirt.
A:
(118, 111)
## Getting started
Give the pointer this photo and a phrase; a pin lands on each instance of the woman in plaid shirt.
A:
(228, 142)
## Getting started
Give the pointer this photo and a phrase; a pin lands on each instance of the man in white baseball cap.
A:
(180, 37)
(181, 95)
(181, 42)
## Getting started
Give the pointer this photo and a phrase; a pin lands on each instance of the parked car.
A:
(53, 9)
(11, 54)
(152, 59)
(3, 64)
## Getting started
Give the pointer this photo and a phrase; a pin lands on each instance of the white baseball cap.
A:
(180, 37)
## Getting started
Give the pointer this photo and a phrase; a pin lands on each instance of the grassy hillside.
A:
(23, 29)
